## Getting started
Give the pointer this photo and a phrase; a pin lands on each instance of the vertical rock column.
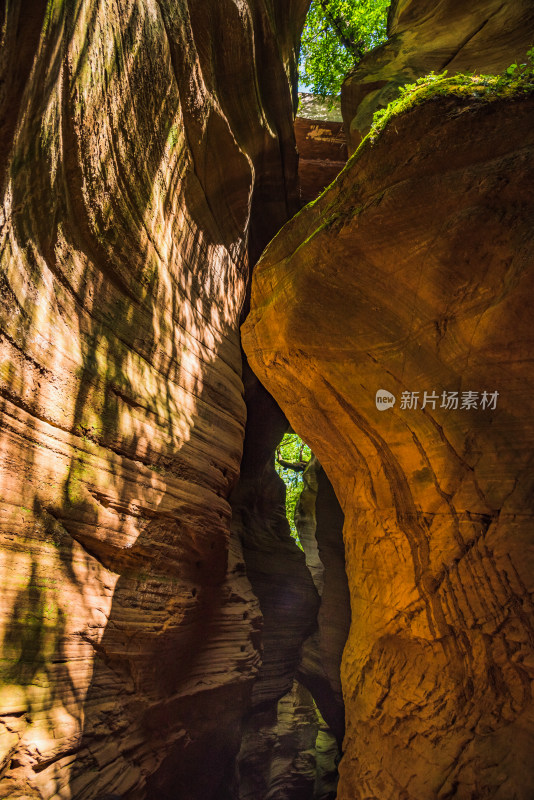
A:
(319, 520)
(411, 274)
(141, 143)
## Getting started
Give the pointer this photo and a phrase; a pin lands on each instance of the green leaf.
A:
(336, 35)
(290, 450)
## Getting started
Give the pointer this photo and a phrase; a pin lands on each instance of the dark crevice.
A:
(292, 736)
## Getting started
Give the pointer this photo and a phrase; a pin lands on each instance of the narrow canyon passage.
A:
(304, 601)
(190, 269)
(138, 186)
(436, 486)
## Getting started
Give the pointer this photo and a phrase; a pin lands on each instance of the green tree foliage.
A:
(336, 36)
(292, 450)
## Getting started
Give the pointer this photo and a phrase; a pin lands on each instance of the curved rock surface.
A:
(278, 759)
(145, 157)
(413, 273)
(484, 36)
(319, 521)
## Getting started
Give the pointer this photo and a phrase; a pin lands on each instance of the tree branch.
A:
(296, 466)
(340, 29)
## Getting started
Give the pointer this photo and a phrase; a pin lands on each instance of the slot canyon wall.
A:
(147, 155)
(294, 727)
(413, 273)
(319, 521)
(162, 636)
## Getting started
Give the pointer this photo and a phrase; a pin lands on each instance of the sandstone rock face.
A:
(278, 755)
(144, 158)
(480, 36)
(413, 273)
(282, 583)
(319, 522)
(279, 721)
(287, 750)
(322, 154)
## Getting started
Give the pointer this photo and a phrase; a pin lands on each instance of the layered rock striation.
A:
(411, 274)
(145, 157)
(322, 154)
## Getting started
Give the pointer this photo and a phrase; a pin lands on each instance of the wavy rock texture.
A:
(319, 521)
(142, 154)
(288, 750)
(412, 273)
(425, 36)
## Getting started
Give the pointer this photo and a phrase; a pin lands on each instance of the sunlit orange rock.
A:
(414, 273)
(144, 157)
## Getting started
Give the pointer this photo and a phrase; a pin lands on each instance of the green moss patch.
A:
(516, 80)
